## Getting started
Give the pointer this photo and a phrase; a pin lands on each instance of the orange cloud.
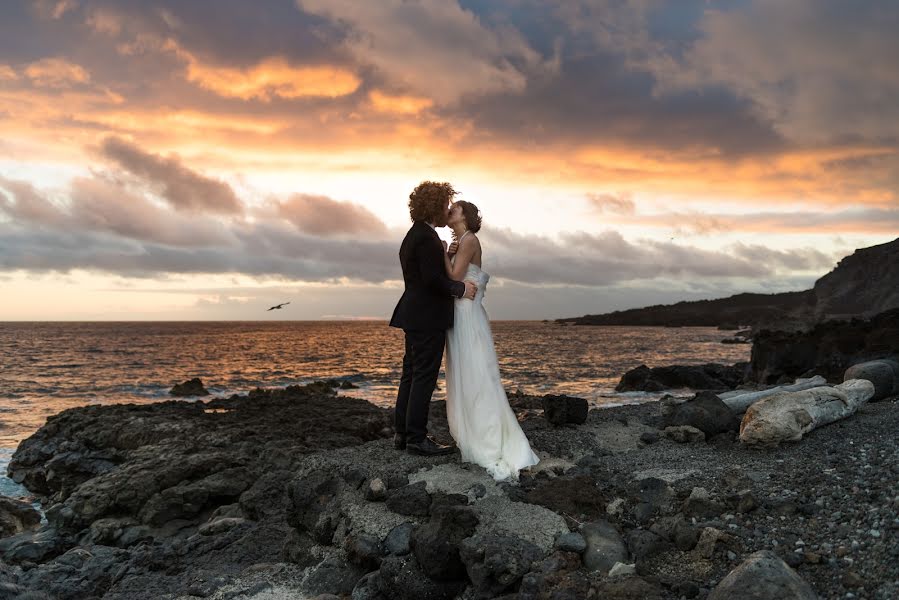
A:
(271, 78)
(7, 73)
(406, 105)
(56, 73)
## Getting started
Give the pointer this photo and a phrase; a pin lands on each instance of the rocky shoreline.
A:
(296, 493)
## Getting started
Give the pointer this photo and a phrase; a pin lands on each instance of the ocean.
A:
(48, 367)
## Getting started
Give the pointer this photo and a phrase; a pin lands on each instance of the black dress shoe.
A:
(399, 441)
(428, 447)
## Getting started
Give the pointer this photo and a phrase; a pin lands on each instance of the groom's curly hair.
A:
(428, 201)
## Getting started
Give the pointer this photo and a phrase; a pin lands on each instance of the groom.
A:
(424, 313)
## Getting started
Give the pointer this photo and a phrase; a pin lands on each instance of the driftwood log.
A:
(786, 417)
(739, 401)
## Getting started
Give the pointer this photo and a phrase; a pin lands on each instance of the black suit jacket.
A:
(427, 302)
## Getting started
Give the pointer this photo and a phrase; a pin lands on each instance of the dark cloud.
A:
(108, 228)
(799, 259)
(818, 70)
(183, 188)
(322, 216)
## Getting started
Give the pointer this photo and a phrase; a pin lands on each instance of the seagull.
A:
(278, 306)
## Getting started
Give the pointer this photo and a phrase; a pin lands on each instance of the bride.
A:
(480, 418)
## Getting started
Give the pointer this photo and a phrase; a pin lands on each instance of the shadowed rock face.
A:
(864, 283)
(828, 349)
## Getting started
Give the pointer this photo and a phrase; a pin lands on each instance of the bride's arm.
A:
(464, 254)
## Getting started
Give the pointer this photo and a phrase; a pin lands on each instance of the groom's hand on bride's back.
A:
(470, 290)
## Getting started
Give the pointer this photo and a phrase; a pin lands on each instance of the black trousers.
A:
(421, 365)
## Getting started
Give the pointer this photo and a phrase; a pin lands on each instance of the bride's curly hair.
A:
(471, 214)
(428, 202)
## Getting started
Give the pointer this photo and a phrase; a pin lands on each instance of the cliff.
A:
(861, 285)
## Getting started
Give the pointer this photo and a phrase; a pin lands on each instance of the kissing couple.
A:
(441, 307)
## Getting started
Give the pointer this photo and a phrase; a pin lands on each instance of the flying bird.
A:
(278, 306)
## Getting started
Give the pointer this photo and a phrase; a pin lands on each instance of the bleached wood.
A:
(787, 416)
(739, 401)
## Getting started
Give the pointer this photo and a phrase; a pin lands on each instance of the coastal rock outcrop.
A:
(711, 376)
(191, 387)
(279, 503)
(828, 349)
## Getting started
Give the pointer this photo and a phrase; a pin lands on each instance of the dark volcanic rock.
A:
(333, 576)
(399, 540)
(495, 563)
(828, 349)
(884, 374)
(604, 546)
(401, 578)
(863, 283)
(312, 506)
(34, 546)
(706, 412)
(763, 576)
(17, 516)
(561, 410)
(411, 500)
(710, 376)
(436, 543)
(191, 387)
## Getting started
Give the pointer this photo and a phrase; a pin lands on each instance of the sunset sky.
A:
(206, 159)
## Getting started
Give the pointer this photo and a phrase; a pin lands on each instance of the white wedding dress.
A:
(480, 418)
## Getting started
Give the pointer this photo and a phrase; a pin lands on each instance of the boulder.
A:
(410, 500)
(705, 411)
(763, 576)
(398, 541)
(363, 550)
(436, 543)
(571, 542)
(496, 563)
(604, 546)
(884, 374)
(644, 544)
(562, 410)
(191, 387)
(17, 516)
